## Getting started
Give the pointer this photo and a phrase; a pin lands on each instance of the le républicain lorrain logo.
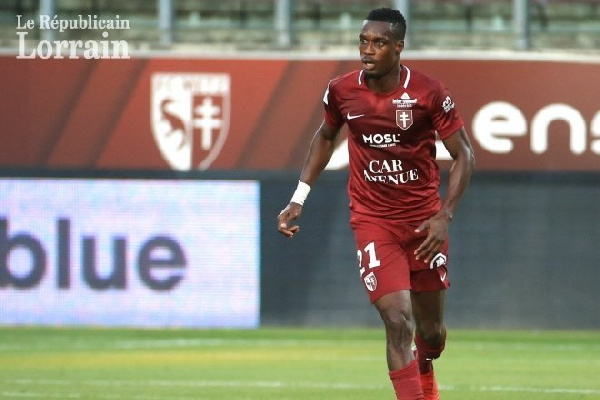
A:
(88, 49)
(190, 117)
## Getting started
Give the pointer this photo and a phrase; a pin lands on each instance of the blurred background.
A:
(326, 25)
(146, 155)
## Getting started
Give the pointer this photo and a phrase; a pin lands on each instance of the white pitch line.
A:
(216, 342)
(55, 395)
(526, 390)
(186, 342)
(284, 385)
(38, 395)
(154, 343)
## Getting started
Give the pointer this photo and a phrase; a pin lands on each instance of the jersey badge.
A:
(404, 101)
(371, 282)
(448, 104)
(404, 119)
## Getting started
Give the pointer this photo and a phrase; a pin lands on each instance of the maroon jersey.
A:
(391, 142)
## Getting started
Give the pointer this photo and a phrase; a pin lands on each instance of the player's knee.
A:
(433, 345)
(398, 325)
(433, 333)
(396, 313)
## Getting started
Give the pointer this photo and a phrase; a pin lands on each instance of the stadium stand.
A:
(328, 25)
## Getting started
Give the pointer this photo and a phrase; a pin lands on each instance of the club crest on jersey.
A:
(404, 119)
(190, 117)
(371, 282)
(404, 101)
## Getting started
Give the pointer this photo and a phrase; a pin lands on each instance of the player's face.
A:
(379, 51)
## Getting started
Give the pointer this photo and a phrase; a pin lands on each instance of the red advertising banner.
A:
(186, 114)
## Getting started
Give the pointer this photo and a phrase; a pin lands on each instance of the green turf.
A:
(285, 364)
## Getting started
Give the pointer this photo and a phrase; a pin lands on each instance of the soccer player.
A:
(399, 220)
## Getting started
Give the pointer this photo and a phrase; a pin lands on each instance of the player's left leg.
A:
(430, 336)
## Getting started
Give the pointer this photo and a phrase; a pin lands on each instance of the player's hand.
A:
(437, 233)
(288, 214)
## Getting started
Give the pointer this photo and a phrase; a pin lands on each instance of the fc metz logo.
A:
(404, 119)
(371, 282)
(190, 117)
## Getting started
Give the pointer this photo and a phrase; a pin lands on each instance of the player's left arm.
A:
(459, 147)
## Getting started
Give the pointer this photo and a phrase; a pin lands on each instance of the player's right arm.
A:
(319, 154)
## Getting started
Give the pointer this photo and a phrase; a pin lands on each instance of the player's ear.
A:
(399, 46)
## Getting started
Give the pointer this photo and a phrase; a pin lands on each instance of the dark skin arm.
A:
(319, 154)
(460, 149)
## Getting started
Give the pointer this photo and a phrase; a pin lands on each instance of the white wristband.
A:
(301, 193)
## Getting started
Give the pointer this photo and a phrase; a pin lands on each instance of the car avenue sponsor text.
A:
(389, 171)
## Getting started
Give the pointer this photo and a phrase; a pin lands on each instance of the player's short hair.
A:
(394, 17)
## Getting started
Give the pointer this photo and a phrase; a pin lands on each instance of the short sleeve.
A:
(333, 117)
(446, 118)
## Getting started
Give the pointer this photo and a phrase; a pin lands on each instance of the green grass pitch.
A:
(282, 364)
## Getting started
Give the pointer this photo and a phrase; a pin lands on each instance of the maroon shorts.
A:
(385, 252)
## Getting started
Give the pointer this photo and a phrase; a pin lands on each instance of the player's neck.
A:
(386, 83)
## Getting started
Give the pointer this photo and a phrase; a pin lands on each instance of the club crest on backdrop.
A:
(190, 114)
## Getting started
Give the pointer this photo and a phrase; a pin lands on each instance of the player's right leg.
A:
(385, 273)
(395, 311)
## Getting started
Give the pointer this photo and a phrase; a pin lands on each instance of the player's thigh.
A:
(383, 263)
(428, 309)
(431, 276)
